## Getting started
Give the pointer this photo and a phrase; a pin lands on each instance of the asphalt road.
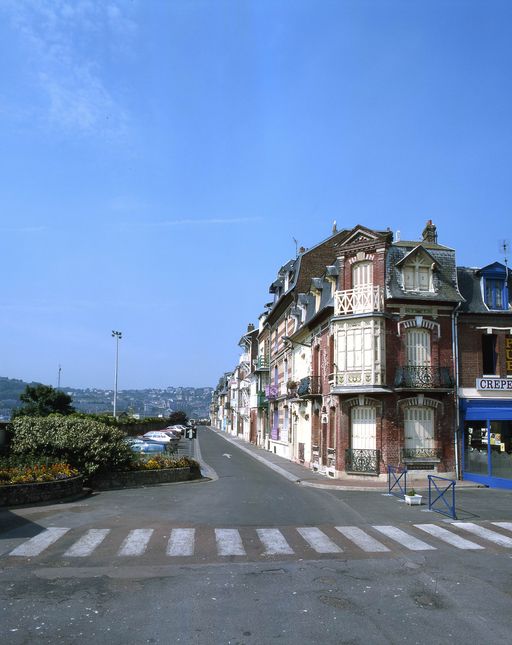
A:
(250, 557)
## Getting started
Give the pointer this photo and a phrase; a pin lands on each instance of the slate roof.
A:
(470, 288)
(444, 276)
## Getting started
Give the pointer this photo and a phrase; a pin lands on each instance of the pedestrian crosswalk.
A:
(253, 543)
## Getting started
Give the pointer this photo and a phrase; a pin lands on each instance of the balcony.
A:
(271, 392)
(358, 301)
(367, 377)
(309, 386)
(262, 401)
(362, 462)
(423, 377)
(423, 455)
(261, 364)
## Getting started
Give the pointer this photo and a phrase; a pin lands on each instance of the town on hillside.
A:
(151, 402)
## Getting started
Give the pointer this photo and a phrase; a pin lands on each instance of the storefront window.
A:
(475, 447)
(501, 449)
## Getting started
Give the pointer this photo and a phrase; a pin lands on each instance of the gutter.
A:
(455, 353)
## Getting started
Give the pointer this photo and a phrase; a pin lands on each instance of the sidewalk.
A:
(307, 477)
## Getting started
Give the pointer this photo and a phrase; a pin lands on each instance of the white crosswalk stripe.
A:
(504, 525)
(487, 534)
(181, 542)
(448, 537)
(87, 543)
(229, 542)
(362, 540)
(318, 540)
(136, 542)
(37, 544)
(403, 538)
(274, 542)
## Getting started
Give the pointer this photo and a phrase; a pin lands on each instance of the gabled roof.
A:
(419, 249)
(444, 277)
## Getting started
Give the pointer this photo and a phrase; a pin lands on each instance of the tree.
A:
(42, 400)
(178, 417)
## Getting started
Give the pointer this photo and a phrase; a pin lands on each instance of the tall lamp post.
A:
(117, 335)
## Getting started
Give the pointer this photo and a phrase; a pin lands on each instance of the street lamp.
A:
(117, 335)
(287, 339)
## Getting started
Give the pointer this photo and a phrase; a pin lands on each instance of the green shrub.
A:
(85, 444)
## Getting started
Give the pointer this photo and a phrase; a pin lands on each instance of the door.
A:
(363, 429)
(362, 283)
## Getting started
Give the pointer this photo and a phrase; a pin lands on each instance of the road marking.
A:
(136, 542)
(229, 542)
(181, 542)
(318, 540)
(486, 534)
(404, 538)
(362, 539)
(504, 525)
(274, 542)
(40, 542)
(226, 455)
(448, 536)
(87, 543)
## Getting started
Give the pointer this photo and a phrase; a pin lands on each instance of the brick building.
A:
(484, 329)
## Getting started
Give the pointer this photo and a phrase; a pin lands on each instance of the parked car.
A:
(162, 437)
(146, 446)
(177, 428)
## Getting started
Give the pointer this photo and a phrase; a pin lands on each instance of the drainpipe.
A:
(455, 352)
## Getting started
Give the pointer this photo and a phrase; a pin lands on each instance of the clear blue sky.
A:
(158, 158)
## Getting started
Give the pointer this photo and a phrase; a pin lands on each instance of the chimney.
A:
(302, 250)
(430, 233)
(250, 327)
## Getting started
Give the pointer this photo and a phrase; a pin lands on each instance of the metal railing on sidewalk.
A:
(443, 495)
(395, 482)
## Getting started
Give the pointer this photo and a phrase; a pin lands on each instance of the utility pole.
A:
(117, 335)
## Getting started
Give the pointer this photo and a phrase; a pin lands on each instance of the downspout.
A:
(455, 353)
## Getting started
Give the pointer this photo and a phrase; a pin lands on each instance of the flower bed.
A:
(34, 492)
(146, 477)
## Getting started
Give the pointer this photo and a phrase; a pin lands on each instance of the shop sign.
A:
(508, 354)
(494, 384)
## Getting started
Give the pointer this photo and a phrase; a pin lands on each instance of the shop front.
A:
(487, 441)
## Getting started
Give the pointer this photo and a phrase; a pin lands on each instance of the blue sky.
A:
(159, 157)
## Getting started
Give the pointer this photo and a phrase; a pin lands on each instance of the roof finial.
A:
(334, 227)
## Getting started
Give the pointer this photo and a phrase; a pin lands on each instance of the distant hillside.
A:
(146, 403)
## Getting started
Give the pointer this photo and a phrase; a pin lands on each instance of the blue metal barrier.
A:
(394, 481)
(442, 495)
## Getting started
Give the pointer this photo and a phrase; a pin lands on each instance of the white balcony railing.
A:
(359, 300)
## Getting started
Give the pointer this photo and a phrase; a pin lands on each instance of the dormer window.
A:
(494, 279)
(494, 293)
(417, 275)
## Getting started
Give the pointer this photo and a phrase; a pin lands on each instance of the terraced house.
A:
(355, 368)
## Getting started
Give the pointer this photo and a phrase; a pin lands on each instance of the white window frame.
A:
(417, 275)
(363, 428)
(418, 347)
(419, 429)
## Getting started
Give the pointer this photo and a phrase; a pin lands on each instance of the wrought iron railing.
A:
(261, 363)
(310, 385)
(421, 453)
(359, 300)
(423, 377)
(362, 461)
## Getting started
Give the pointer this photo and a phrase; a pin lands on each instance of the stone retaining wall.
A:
(15, 494)
(133, 478)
